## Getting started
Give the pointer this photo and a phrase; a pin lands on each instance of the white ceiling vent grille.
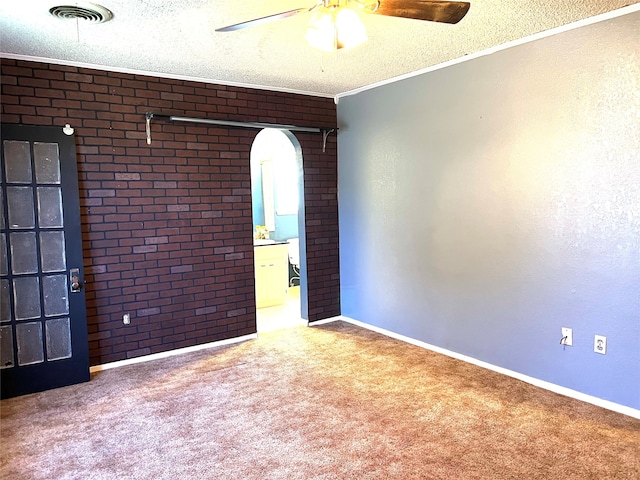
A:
(82, 11)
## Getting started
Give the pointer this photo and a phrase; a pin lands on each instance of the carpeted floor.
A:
(328, 402)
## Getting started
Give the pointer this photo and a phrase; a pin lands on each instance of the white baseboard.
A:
(171, 353)
(327, 320)
(632, 412)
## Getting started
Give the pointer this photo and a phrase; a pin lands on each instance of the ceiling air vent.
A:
(82, 11)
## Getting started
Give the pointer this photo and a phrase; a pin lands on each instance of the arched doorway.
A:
(278, 227)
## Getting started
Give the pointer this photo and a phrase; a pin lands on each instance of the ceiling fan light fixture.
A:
(333, 29)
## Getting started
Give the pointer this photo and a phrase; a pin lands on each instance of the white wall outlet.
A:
(126, 319)
(567, 336)
(600, 344)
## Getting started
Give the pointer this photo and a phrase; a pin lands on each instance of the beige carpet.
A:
(328, 402)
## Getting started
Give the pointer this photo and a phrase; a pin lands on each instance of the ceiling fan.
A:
(336, 25)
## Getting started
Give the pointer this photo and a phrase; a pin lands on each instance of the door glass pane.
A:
(3, 254)
(29, 339)
(56, 301)
(5, 306)
(20, 205)
(24, 258)
(45, 156)
(58, 334)
(26, 297)
(49, 207)
(17, 158)
(6, 347)
(52, 251)
(2, 223)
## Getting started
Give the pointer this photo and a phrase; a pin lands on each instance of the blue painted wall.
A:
(486, 205)
(257, 205)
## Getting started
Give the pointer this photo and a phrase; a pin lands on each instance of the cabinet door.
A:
(262, 285)
(279, 279)
(272, 275)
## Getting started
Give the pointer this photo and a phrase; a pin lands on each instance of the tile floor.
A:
(281, 316)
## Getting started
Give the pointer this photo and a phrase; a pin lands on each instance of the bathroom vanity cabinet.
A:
(272, 274)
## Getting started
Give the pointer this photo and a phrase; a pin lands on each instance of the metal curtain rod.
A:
(229, 123)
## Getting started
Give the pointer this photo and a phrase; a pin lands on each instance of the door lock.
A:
(75, 283)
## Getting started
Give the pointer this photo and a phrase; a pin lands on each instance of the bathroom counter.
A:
(266, 242)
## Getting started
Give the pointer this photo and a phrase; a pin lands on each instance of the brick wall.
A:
(167, 227)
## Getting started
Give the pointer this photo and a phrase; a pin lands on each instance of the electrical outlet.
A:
(126, 319)
(567, 336)
(600, 344)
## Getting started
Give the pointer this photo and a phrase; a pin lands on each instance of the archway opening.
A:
(277, 193)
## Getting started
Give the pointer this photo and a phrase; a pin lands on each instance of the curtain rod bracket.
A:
(148, 116)
(325, 135)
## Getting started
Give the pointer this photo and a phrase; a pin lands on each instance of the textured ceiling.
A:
(177, 38)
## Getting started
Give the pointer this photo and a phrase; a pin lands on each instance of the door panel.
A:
(43, 329)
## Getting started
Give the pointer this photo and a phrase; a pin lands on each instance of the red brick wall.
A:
(167, 227)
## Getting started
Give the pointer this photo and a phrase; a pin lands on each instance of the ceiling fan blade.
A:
(257, 21)
(433, 11)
